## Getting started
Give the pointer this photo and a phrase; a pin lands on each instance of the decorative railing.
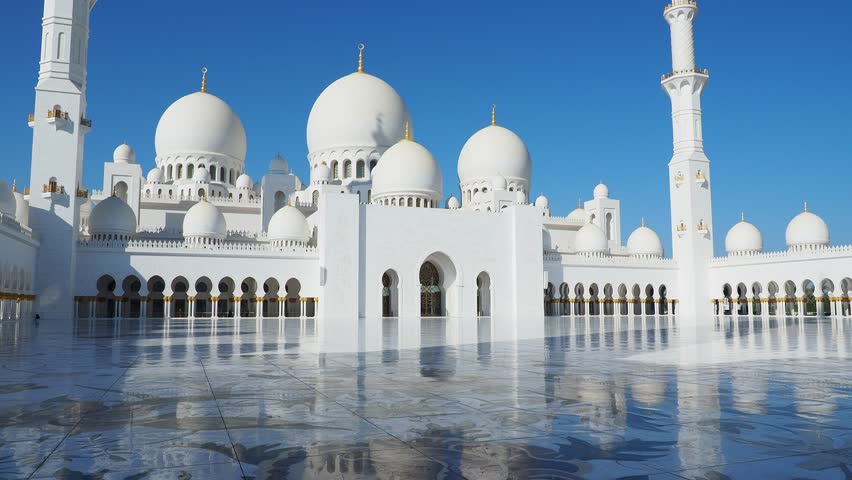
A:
(551, 256)
(175, 246)
(86, 122)
(808, 254)
(701, 71)
(10, 223)
(57, 113)
(564, 221)
(680, 3)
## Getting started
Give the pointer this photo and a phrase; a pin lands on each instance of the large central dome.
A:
(200, 123)
(358, 110)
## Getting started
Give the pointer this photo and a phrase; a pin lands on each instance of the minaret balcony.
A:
(679, 179)
(86, 124)
(31, 120)
(700, 179)
(687, 71)
(681, 229)
(680, 3)
(57, 117)
(703, 230)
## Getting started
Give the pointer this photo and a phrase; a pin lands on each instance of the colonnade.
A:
(16, 306)
(86, 307)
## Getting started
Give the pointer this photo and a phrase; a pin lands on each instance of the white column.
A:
(237, 305)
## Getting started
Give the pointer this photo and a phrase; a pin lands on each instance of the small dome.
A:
(321, 174)
(601, 191)
(644, 242)
(200, 123)
(112, 216)
(288, 225)
(407, 168)
(155, 175)
(499, 183)
(278, 164)
(807, 230)
(358, 110)
(7, 200)
(520, 197)
(124, 154)
(494, 151)
(244, 181)
(204, 220)
(201, 175)
(743, 238)
(453, 203)
(542, 202)
(578, 214)
(590, 239)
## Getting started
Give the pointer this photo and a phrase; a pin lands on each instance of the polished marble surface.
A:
(597, 398)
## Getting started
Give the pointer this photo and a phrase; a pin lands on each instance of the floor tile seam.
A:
(82, 417)
(173, 467)
(224, 424)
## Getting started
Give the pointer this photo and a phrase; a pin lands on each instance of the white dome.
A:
(807, 229)
(288, 225)
(201, 175)
(200, 123)
(321, 174)
(578, 214)
(112, 216)
(601, 191)
(453, 203)
(204, 220)
(155, 175)
(244, 181)
(644, 242)
(358, 110)
(124, 154)
(542, 202)
(407, 168)
(743, 238)
(494, 151)
(7, 200)
(499, 183)
(590, 239)
(278, 164)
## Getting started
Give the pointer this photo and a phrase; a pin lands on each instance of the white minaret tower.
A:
(689, 168)
(59, 126)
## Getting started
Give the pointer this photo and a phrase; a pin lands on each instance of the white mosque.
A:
(371, 234)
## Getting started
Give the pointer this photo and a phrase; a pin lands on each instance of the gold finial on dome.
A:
(204, 80)
(360, 58)
(408, 131)
(806, 205)
(493, 114)
(579, 202)
(15, 185)
(643, 221)
(742, 217)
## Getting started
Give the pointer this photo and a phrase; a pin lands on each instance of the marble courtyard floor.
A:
(598, 398)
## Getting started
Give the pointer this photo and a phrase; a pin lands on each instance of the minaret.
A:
(59, 126)
(689, 168)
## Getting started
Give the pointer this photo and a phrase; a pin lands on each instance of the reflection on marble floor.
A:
(437, 398)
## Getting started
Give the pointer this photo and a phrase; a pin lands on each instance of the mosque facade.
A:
(371, 233)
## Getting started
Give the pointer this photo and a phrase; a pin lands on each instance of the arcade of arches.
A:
(591, 300)
(195, 299)
(790, 298)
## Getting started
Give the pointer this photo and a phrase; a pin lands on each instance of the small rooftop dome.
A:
(278, 164)
(807, 230)
(112, 216)
(644, 242)
(591, 239)
(453, 203)
(288, 225)
(124, 154)
(743, 238)
(601, 191)
(155, 175)
(244, 182)
(204, 220)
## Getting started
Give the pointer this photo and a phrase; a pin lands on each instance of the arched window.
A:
(222, 175)
(120, 190)
(610, 230)
(179, 172)
(190, 170)
(169, 173)
(347, 169)
(359, 169)
(212, 174)
(372, 165)
(430, 291)
(280, 200)
(315, 197)
(335, 175)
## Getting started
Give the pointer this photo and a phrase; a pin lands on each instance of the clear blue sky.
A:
(578, 81)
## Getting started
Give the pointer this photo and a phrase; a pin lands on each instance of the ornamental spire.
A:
(742, 217)
(204, 80)
(643, 221)
(493, 115)
(806, 205)
(15, 185)
(360, 58)
(408, 131)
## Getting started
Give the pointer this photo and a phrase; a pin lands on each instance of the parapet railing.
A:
(577, 258)
(176, 246)
(10, 223)
(680, 3)
(805, 254)
(702, 71)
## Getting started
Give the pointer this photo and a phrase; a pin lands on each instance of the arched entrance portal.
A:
(483, 295)
(431, 293)
(390, 294)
